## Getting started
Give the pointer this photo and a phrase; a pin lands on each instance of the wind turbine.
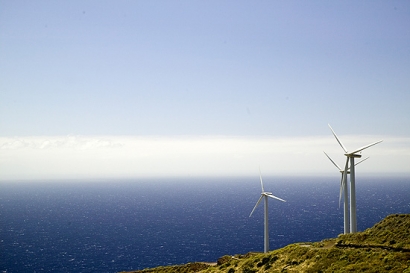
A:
(352, 155)
(343, 188)
(265, 195)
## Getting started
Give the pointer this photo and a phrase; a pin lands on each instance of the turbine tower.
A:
(265, 195)
(343, 189)
(351, 156)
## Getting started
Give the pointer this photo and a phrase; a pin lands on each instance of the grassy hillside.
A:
(383, 248)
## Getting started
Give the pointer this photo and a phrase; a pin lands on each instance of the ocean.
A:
(120, 225)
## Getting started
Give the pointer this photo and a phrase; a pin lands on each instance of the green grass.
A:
(383, 248)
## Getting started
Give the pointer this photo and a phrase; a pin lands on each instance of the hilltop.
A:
(385, 247)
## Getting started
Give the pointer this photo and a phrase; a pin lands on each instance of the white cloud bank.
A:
(128, 157)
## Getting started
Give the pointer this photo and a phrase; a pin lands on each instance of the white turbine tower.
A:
(352, 155)
(265, 195)
(343, 189)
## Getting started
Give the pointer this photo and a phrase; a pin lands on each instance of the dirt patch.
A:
(329, 244)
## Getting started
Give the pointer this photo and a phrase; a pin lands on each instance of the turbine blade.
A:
(274, 197)
(334, 163)
(260, 176)
(338, 140)
(364, 147)
(341, 189)
(257, 203)
(344, 179)
(361, 161)
(346, 168)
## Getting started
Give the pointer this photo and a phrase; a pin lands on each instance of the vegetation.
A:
(383, 248)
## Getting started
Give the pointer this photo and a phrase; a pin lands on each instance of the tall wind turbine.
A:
(265, 195)
(352, 155)
(343, 189)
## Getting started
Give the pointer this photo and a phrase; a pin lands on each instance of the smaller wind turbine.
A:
(265, 195)
(343, 189)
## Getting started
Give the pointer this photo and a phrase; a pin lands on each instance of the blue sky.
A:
(202, 70)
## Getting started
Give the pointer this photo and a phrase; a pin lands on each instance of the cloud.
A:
(156, 156)
(75, 142)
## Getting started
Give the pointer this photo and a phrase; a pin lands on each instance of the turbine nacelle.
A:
(269, 194)
(353, 155)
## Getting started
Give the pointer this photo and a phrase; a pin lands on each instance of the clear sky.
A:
(158, 88)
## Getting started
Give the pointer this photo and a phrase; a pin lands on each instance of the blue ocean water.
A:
(119, 225)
